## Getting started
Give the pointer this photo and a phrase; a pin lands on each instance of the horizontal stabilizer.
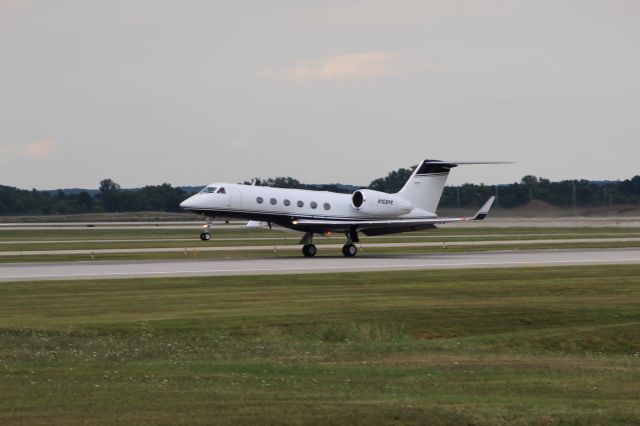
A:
(460, 163)
(431, 167)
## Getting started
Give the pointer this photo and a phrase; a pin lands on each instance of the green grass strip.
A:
(502, 346)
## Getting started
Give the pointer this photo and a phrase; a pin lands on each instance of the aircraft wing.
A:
(391, 225)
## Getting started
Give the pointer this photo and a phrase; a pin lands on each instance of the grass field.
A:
(507, 346)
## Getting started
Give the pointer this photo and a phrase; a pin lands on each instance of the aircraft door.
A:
(233, 197)
(224, 196)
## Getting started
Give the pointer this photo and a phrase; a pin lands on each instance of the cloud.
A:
(354, 66)
(8, 4)
(39, 149)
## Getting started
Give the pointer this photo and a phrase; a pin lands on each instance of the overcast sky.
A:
(191, 92)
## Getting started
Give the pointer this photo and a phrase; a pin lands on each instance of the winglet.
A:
(484, 210)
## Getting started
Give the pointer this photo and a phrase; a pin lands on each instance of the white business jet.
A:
(321, 212)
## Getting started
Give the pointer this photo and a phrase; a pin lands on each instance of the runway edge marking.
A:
(322, 269)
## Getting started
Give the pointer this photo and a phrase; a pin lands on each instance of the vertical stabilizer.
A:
(424, 187)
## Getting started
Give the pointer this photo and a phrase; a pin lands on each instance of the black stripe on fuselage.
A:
(253, 214)
(286, 220)
(278, 219)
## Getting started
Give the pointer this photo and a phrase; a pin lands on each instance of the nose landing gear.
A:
(206, 235)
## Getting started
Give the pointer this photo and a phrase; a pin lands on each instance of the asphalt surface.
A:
(215, 237)
(290, 247)
(298, 264)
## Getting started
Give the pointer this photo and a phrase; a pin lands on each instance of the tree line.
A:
(289, 182)
(110, 197)
(566, 193)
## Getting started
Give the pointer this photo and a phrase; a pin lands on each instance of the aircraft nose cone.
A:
(186, 204)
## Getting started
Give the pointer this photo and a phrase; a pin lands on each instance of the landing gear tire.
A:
(349, 250)
(205, 236)
(309, 250)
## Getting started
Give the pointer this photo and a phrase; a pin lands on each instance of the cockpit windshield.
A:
(212, 189)
(208, 190)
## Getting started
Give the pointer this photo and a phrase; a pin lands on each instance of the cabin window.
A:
(286, 202)
(313, 204)
(273, 201)
(300, 204)
(221, 191)
(259, 200)
(326, 206)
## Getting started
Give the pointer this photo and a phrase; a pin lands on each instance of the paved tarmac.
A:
(201, 248)
(438, 237)
(298, 265)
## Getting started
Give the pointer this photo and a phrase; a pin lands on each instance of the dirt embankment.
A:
(537, 208)
(540, 214)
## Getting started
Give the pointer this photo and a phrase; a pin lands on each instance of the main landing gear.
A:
(309, 250)
(348, 250)
(206, 235)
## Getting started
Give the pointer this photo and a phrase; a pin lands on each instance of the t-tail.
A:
(424, 187)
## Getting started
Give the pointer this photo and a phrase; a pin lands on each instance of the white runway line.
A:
(331, 268)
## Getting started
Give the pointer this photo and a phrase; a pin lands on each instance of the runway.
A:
(301, 265)
(296, 248)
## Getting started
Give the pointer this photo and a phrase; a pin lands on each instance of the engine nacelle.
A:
(377, 203)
